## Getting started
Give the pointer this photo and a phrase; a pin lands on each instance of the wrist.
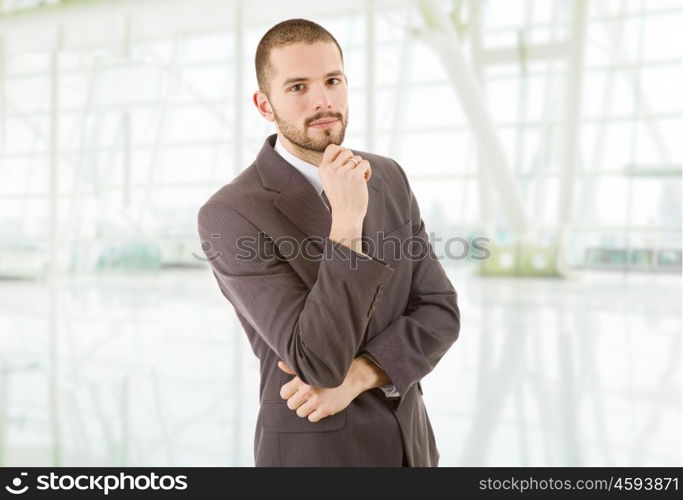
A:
(364, 375)
(347, 232)
(347, 224)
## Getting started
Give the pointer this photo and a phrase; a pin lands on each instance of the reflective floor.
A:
(154, 370)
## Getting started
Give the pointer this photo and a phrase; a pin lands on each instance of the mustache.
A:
(320, 117)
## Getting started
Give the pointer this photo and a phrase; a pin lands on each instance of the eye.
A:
(295, 86)
(338, 80)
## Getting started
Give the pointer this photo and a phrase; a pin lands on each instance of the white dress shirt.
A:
(310, 171)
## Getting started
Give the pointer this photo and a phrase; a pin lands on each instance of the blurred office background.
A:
(550, 127)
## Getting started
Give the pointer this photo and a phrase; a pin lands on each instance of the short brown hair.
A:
(286, 33)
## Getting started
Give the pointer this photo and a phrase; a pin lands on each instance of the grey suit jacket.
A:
(316, 305)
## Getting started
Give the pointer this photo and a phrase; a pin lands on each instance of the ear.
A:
(263, 105)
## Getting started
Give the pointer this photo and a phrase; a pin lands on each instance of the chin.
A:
(333, 137)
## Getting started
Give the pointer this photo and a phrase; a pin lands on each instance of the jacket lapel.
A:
(300, 203)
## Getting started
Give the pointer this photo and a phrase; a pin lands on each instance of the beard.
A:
(322, 138)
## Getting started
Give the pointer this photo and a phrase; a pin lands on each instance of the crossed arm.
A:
(319, 402)
(317, 333)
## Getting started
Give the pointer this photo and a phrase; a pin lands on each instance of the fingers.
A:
(296, 400)
(285, 368)
(316, 416)
(331, 152)
(339, 158)
(364, 169)
(305, 409)
(288, 389)
(308, 409)
(342, 158)
(351, 163)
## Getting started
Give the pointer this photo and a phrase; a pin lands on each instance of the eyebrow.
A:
(303, 79)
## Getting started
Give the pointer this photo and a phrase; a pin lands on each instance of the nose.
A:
(321, 97)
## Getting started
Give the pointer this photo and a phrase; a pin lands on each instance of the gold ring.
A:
(354, 162)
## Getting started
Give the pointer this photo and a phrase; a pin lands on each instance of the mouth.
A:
(324, 123)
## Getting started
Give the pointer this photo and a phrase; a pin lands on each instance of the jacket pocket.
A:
(278, 417)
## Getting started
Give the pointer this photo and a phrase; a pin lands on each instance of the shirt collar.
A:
(308, 170)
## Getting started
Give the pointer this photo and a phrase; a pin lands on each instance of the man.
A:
(344, 331)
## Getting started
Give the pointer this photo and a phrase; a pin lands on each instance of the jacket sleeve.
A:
(388, 389)
(410, 346)
(316, 331)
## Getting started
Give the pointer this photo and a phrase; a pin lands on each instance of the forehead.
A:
(305, 60)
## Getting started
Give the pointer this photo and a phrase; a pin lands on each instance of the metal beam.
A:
(53, 346)
(535, 52)
(570, 144)
(483, 174)
(3, 98)
(444, 40)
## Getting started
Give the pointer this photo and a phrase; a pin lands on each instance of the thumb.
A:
(331, 152)
(283, 366)
(368, 174)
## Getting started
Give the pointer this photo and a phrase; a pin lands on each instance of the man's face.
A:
(307, 84)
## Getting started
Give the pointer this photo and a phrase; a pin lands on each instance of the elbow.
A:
(455, 318)
(321, 376)
(318, 371)
(456, 328)
(330, 374)
(330, 382)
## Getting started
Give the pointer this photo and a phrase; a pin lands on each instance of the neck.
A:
(308, 155)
